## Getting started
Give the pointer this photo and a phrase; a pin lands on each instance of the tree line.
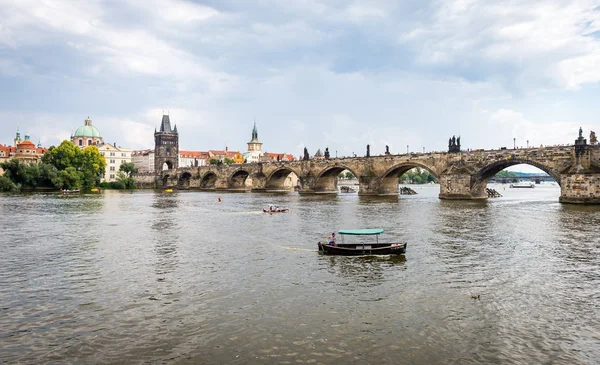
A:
(64, 167)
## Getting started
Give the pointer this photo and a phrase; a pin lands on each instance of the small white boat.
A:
(522, 186)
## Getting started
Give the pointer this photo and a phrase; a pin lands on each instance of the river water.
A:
(154, 278)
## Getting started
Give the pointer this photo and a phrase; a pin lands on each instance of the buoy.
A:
(168, 190)
(95, 190)
(219, 199)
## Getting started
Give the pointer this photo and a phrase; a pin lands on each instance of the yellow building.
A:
(238, 158)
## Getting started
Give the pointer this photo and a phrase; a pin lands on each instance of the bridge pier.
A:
(580, 187)
(458, 187)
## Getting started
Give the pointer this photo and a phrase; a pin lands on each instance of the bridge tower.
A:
(166, 146)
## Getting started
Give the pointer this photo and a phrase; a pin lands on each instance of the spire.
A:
(165, 125)
(175, 129)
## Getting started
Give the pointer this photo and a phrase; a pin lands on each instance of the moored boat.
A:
(365, 246)
(65, 191)
(522, 186)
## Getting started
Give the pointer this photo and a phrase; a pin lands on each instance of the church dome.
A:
(26, 144)
(87, 130)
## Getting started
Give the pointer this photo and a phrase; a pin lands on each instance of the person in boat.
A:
(271, 208)
(331, 240)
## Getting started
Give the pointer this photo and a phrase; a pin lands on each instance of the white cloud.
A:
(313, 73)
(512, 123)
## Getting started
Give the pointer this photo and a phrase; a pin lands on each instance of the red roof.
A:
(193, 154)
(26, 144)
(282, 156)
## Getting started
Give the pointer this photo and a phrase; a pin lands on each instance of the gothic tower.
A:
(254, 147)
(166, 146)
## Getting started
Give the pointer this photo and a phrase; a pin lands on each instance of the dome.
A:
(87, 130)
(26, 144)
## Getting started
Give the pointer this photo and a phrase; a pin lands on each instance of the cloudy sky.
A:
(315, 73)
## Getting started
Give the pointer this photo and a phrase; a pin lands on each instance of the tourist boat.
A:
(275, 209)
(365, 246)
(65, 191)
(522, 186)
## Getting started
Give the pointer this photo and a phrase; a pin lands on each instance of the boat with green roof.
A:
(365, 244)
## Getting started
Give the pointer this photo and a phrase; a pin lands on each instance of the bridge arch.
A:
(481, 178)
(184, 180)
(389, 179)
(326, 179)
(238, 179)
(277, 179)
(208, 180)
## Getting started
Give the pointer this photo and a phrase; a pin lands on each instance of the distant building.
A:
(319, 155)
(254, 147)
(221, 155)
(23, 150)
(192, 158)
(268, 157)
(143, 160)
(115, 157)
(87, 135)
(238, 158)
(166, 146)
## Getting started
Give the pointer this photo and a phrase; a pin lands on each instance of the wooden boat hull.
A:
(367, 249)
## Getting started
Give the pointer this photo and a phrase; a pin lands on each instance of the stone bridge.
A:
(462, 175)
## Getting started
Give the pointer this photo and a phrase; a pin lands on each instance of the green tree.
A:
(92, 165)
(71, 178)
(7, 185)
(350, 175)
(228, 161)
(213, 161)
(63, 156)
(123, 181)
(128, 168)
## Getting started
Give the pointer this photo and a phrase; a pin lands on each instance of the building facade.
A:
(24, 150)
(115, 157)
(143, 160)
(166, 146)
(87, 135)
(192, 158)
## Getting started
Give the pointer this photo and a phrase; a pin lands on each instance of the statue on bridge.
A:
(327, 153)
(593, 139)
(580, 144)
(305, 154)
(368, 150)
(454, 144)
(387, 149)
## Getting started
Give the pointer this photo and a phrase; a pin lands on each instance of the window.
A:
(89, 142)
(112, 176)
(112, 153)
(112, 161)
(112, 168)
(102, 153)
(123, 154)
(81, 142)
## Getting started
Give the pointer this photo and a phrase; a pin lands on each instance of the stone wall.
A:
(146, 181)
(580, 188)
